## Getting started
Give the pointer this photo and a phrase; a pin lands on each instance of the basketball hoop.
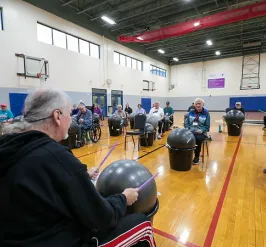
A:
(41, 76)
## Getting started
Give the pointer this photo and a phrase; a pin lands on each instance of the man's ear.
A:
(57, 118)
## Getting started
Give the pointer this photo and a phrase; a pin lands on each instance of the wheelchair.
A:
(92, 134)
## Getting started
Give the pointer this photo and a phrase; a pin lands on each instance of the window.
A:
(116, 58)
(1, 19)
(84, 47)
(44, 34)
(158, 71)
(139, 65)
(127, 61)
(134, 64)
(64, 40)
(94, 50)
(59, 39)
(122, 60)
(72, 43)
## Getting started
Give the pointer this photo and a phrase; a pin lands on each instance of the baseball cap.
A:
(3, 105)
(167, 103)
(238, 103)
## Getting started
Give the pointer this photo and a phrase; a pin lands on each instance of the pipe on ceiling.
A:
(222, 18)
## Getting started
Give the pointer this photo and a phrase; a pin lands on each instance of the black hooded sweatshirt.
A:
(46, 196)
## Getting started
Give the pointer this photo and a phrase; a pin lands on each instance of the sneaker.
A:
(159, 137)
(78, 145)
(195, 161)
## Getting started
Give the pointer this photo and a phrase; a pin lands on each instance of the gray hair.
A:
(200, 100)
(38, 107)
(119, 106)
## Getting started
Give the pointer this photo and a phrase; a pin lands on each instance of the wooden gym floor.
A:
(221, 202)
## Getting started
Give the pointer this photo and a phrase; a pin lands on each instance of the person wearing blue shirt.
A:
(198, 122)
(84, 120)
(6, 116)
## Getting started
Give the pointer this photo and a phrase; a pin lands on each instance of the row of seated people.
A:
(156, 109)
(47, 196)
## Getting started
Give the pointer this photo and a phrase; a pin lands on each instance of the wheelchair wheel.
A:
(95, 133)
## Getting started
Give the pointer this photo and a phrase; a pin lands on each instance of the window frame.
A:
(1, 19)
(69, 34)
(158, 71)
(126, 59)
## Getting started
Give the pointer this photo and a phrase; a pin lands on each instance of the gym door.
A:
(99, 96)
(117, 99)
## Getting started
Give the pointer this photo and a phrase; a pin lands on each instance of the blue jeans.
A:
(81, 128)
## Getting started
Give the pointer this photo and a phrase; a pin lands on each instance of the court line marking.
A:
(217, 212)
(173, 238)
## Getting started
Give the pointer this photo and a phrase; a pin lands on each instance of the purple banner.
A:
(216, 83)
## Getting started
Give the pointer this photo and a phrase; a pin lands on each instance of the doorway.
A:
(99, 96)
(116, 99)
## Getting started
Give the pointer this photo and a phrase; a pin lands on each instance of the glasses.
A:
(41, 119)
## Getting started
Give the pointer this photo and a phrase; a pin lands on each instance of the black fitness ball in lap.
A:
(115, 125)
(123, 174)
(234, 120)
(181, 144)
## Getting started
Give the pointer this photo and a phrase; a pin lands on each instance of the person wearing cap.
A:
(238, 106)
(84, 120)
(6, 116)
(192, 107)
(169, 112)
(158, 110)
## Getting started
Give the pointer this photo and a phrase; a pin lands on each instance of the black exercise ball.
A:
(234, 117)
(181, 139)
(73, 129)
(123, 174)
(148, 128)
(114, 120)
(96, 118)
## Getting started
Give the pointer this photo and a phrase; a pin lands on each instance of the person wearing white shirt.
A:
(159, 111)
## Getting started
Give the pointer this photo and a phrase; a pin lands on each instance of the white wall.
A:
(191, 80)
(69, 71)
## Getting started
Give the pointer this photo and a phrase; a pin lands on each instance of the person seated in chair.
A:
(198, 122)
(120, 113)
(140, 110)
(74, 110)
(84, 120)
(169, 112)
(158, 110)
(6, 116)
(47, 196)
(128, 110)
(192, 107)
(238, 106)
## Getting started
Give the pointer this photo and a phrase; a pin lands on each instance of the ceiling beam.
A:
(93, 7)
(68, 2)
(121, 7)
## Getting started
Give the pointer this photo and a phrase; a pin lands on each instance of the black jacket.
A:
(128, 110)
(46, 196)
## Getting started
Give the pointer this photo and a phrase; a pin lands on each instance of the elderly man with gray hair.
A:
(198, 122)
(47, 197)
(84, 120)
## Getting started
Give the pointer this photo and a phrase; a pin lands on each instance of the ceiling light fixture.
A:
(161, 51)
(196, 24)
(209, 42)
(139, 38)
(218, 53)
(175, 59)
(107, 19)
